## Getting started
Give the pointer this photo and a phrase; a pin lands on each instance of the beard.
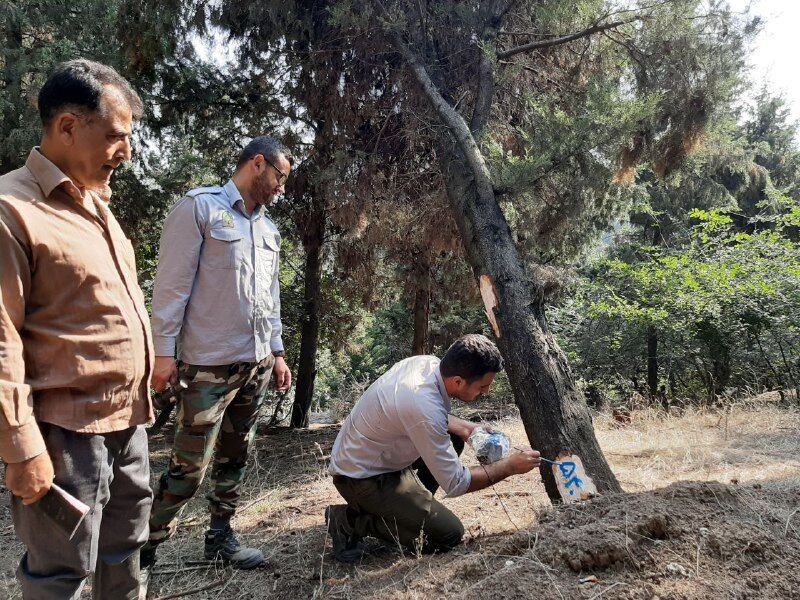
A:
(262, 190)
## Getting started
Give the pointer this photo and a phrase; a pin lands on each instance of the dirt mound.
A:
(689, 540)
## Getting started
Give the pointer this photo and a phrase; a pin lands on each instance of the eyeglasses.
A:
(283, 176)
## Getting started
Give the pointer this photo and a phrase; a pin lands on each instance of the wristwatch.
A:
(277, 353)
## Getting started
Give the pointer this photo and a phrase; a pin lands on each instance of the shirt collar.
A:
(234, 196)
(232, 192)
(49, 177)
(442, 389)
(46, 173)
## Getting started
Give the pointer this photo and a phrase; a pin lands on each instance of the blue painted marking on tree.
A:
(567, 469)
(571, 480)
(578, 483)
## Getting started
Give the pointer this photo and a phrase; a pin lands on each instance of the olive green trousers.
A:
(399, 509)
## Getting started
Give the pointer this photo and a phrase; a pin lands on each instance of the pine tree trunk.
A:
(309, 329)
(652, 361)
(12, 45)
(553, 410)
(422, 302)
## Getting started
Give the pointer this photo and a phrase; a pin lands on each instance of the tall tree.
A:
(470, 81)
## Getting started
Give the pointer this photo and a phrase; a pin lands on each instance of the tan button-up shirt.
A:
(75, 345)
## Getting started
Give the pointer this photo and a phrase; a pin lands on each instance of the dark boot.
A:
(347, 547)
(222, 543)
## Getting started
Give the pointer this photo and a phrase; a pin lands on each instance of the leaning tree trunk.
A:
(553, 410)
(309, 330)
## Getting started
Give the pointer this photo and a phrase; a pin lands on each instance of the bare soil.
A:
(711, 510)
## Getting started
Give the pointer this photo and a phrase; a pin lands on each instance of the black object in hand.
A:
(169, 395)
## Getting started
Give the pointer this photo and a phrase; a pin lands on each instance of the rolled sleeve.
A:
(436, 449)
(178, 257)
(20, 438)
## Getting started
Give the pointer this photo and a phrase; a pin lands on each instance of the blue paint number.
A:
(567, 472)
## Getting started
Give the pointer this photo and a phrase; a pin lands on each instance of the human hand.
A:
(283, 376)
(165, 372)
(524, 461)
(459, 427)
(30, 479)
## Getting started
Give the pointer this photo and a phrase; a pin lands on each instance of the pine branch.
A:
(596, 28)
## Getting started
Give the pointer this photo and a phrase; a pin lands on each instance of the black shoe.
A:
(347, 547)
(222, 543)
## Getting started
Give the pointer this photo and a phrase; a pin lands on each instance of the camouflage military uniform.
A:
(218, 411)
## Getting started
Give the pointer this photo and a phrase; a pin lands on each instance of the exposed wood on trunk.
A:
(489, 296)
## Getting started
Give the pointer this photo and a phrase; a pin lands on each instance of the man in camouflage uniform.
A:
(216, 306)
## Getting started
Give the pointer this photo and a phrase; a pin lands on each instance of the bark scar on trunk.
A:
(489, 295)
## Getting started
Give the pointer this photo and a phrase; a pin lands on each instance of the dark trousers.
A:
(399, 508)
(111, 474)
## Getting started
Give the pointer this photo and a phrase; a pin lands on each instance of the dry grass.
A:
(287, 490)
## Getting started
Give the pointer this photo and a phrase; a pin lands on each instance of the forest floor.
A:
(711, 510)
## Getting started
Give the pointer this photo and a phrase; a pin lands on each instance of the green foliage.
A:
(726, 310)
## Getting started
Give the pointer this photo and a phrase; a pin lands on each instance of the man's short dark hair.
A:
(471, 357)
(268, 146)
(79, 85)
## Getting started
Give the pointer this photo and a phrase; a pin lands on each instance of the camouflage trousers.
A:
(217, 416)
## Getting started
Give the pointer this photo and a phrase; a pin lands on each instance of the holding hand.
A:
(165, 372)
(30, 479)
(464, 429)
(524, 461)
(283, 376)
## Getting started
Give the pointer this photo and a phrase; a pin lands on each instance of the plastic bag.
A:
(489, 447)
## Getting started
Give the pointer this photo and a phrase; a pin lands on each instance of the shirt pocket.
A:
(223, 248)
(268, 250)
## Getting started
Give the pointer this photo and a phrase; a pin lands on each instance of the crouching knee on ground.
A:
(444, 538)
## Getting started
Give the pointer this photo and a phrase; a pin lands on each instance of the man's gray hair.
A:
(471, 357)
(269, 147)
(79, 85)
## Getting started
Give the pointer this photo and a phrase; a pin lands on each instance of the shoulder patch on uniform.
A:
(214, 189)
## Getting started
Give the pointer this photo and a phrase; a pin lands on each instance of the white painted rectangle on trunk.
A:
(573, 483)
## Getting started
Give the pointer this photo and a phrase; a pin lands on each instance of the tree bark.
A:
(422, 303)
(13, 89)
(652, 361)
(313, 238)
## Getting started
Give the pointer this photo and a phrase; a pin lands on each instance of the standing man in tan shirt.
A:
(75, 347)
